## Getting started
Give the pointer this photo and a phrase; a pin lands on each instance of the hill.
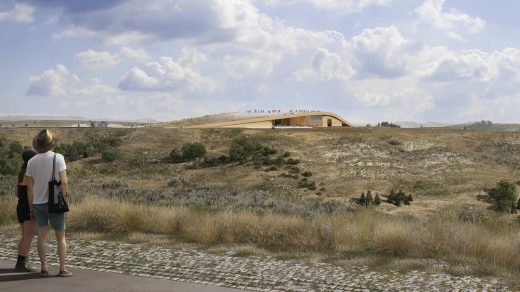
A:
(440, 166)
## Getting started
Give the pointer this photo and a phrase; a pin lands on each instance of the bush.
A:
(377, 200)
(242, 149)
(504, 195)
(15, 147)
(292, 161)
(192, 151)
(307, 174)
(399, 198)
(111, 154)
(175, 157)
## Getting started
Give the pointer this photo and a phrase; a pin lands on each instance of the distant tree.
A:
(369, 199)
(362, 199)
(15, 147)
(192, 151)
(111, 154)
(377, 200)
(504, 195)
(518, 204)
(175, 157)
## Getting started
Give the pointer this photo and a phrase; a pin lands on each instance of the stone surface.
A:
(252, 273)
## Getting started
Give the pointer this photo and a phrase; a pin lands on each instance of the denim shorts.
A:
(42, 215)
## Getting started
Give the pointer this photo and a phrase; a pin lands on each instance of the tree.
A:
(369, 199)
(518, 204)
(192, 151)
(377, 200)
(504, 195)
(362, 199)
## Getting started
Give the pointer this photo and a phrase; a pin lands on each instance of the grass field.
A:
(445, 170)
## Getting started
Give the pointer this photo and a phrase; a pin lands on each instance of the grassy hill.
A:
(437, 165)
(309, 200)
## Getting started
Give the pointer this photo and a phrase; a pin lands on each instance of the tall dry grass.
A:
(493, 246)
(7, 209)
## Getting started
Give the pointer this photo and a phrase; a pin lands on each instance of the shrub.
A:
(286, 154)
(504, 195)
(307, 174)
(399, 198)
(242, 149)
(292, 161)
(111, 154)
(518, 204)
(377, 200)
(175, 157)
(15, 147)
(192, 151)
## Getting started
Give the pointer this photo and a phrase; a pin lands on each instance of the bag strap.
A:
(54, 167)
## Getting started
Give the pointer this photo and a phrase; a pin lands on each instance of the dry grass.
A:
(7, 209)
(490, 246)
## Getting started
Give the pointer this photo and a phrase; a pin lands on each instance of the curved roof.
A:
(269, 118)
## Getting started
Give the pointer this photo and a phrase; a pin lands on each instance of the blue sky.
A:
(367, 60)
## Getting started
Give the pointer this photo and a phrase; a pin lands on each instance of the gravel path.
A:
(252, 273)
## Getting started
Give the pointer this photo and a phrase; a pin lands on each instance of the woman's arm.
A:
(64, 184)
(29, 181)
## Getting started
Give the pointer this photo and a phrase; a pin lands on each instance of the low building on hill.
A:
(292, 120)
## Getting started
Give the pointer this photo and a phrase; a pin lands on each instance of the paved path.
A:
(86, 280)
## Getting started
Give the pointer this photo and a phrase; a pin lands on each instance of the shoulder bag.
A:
(57, 203)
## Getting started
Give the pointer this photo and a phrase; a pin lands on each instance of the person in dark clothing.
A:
(23, 213)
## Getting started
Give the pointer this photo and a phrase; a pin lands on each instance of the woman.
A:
(24, 217)
(39, 173)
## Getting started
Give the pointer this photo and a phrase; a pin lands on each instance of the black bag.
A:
(57, 203)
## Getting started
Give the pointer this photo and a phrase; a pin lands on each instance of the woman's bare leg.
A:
(62, 248)
(42, 233)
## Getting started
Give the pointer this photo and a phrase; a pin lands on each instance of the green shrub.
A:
(307, 174)
(242, 149)
(504, 195)
(111, 154)
(175, 157)
(399, 198)
(377, 200)
(286, 154)
(15, 147)
(292, 161)
(192, 151)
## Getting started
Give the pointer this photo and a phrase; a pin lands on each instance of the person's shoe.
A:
(23, 266)
(64, 274)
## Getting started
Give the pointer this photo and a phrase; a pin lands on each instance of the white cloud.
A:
(53, 82)
(22, 13)
(431, 12)
(382, 51)
(326, 65)
(475, 65)
(97, 60)
(165, 75)
(139, 55)
(346, 6)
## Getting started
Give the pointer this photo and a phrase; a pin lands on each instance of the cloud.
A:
(139, 55)
(21, 13)
(348, 5)
(475, 65)
(53, 82)
(94, 60)
(344, 6)
(326, 65)
(431, 12)
(165, 75)
(97, 60)
(119, 21)
(382, 51)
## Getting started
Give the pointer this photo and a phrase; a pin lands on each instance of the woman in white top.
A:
(39, 173)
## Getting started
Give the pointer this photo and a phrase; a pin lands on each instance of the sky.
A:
(366, 60)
